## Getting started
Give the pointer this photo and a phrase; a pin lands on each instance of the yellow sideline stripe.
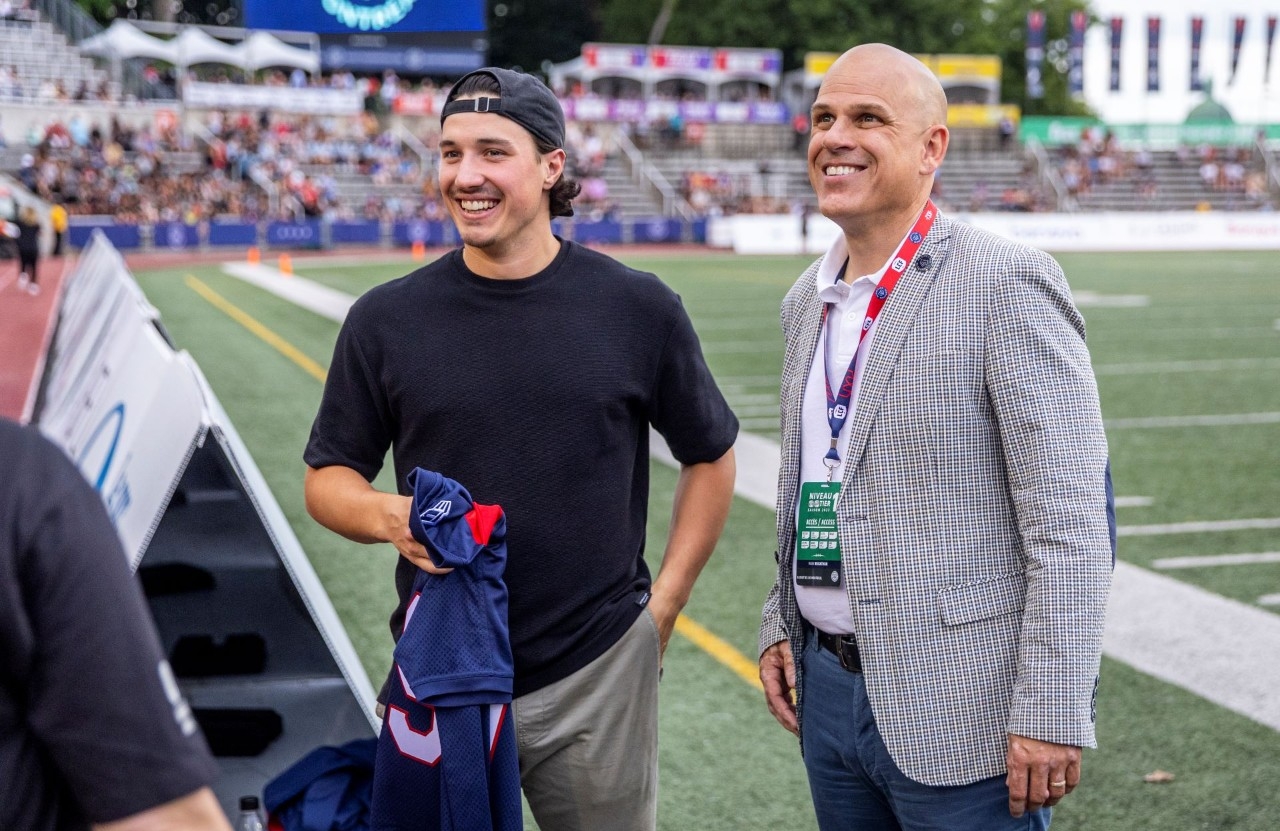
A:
(701, 637)
(717, 648)
(271, 338)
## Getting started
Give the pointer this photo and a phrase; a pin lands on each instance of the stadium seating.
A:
(38, 65)
(254, 167)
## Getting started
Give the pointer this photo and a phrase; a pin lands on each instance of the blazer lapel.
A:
(894, 323)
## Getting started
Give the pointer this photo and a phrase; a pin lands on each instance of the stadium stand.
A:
(38, 65)
(253, 166)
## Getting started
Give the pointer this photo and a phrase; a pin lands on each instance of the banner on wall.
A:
(1271, 39)
(1035, 54)
(266, 666)
(1153, 54)
(1197, 33)
(1237, 40)
(1117, 35)
(1055, 131)
(1075, 53)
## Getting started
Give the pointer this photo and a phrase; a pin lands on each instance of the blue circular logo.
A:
(882, 292)
(368, 16)
(915, 236)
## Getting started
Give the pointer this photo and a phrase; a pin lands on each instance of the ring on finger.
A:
(1059, 784)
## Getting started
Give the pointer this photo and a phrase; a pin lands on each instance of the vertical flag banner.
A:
(1035, 54)
(1236, 41)
(1075, 54)
(1271, 39)
(1197, 31)
(1117, 33)
(1153, 54)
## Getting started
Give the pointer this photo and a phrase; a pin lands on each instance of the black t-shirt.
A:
(536, 395)
(87, 731)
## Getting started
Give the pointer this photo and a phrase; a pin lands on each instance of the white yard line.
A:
(1217, 648)
(1166, 367)
(308, 294)
(1134, 501)
(1085, 299)
(1216, 420)
(1214, 560)
(1220, 649)
(1210, 527)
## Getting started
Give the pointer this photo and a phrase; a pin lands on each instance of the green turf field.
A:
(1172, 335)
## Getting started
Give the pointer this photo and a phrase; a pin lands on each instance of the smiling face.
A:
(878, 136)
(496, 185)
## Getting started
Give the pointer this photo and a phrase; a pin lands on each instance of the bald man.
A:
(943, 545)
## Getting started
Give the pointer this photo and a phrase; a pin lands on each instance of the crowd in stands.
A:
(1232, 171)
(1098, 159)
(13, 87)
(587, 153)
(128, 173)
(117, 171)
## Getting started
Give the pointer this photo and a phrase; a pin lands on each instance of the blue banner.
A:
(368, 231)
(1075, 54)
(1237, 39)
(1197, 33)
(1035, 54)
(604, 230)
(121, 236)
(1117, 35)
(1153, 54)
(304, 234)
(430, 232)
(175, 235)
(233, 233)
(656, 229)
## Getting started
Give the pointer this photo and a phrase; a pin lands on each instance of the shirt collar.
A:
(831, 289)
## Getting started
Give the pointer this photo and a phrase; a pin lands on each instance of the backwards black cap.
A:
(522, 98)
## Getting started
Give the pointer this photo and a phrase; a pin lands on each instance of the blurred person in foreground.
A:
(530, 369)
(94, 732)
(943, 529)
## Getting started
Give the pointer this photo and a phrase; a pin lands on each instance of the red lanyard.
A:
(838, 403)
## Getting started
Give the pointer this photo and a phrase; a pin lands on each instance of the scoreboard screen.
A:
(436, 37)
(342, 17)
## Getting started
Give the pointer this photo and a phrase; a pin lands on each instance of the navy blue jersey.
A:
(447, 751)
(454, 649)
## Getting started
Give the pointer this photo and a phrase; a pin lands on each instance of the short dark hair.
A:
(565, 189)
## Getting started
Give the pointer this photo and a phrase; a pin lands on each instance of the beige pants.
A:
(589, 743)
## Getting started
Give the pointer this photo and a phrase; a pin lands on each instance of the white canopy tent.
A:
(124, 40)
(261, 50)
(195, 46)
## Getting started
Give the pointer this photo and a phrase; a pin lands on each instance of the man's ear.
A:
(553, 166)
(936, 140)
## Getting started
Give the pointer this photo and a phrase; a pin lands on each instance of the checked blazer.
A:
(973, 529)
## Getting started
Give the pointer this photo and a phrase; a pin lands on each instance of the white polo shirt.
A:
(828, 608)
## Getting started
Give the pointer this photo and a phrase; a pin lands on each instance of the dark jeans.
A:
(855, 784)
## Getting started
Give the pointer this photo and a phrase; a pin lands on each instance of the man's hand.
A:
(396, 525)
(1040, 773)
(664, 611)
(343, 501)
(778, 674)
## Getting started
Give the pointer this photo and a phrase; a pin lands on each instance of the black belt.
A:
(845, 648)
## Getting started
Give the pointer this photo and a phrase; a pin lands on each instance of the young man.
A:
(942, 513)
(529, 370)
